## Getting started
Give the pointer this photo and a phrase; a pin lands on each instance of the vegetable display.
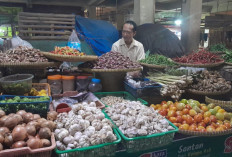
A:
(157, 59)
(228, 56)
(67, 51)
(218, 48)
(22, 55)
(110, 100)
(24, 129)
(173, 86)
(200, 57)
(17, 99)
(85, 125)
(210, 81)
(193, 116)
(111, 60)
(135, 119)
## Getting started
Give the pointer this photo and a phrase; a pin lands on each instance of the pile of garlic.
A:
(110, 100)
(135, 119)
(85, 125)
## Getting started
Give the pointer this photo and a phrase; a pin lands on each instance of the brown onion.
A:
(45, 133)
(52, 115)
(41, 121)
(19, 133)
(34, 143)
(34, 123)
(46, 142)
(11, 114)
(28, 117)
(21, 112)
(8, 141)
(2, 120)
(19, 118)
(36, 116)
(11, 122)
(1, 147)
(31, 130)
(1, 138)
(19, 144)
(4, 130)
(2, 113)
(48, 124)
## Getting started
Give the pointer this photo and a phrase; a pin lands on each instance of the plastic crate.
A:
(27, 152)
(143, 143)
(101, 150)
(124, 95)
(145, 91)
(40, 86)
(40, 108)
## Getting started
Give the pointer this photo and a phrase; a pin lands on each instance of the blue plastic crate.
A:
(40, 108)
(144, 91)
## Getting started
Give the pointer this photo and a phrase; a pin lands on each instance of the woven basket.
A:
(153, 66)
(200, 65)
(227, 105)
(228, 63)
(110, 70)
(198, 133)
(36, 65)
(192, 91)
(68, 58)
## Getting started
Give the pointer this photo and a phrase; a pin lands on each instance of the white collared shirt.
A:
(135, 52)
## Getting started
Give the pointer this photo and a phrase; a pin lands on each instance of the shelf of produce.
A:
(210, 65)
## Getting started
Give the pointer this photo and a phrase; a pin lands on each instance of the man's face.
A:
(127, 32)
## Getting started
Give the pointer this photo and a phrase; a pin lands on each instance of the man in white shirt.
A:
(128, 46)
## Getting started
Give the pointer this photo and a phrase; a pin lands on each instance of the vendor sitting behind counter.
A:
(128, 46)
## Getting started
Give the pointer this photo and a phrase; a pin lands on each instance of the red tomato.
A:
(213, 118)
(163, 112)
(193, 128)
(179, 113)
(228, 126)
(179, 119)
(207, 120)
(188, 107)
(163, 102)
(171, 113)
(189, 120)
(201, 124)
(198, 118)
(173, 119)
(185, 111)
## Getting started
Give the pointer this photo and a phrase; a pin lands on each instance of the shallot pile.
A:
(25, 129)
(85, 125)
(135, 119)
(22, 55)
(111, 60)
(210, 81)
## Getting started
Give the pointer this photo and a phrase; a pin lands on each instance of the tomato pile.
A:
(194, 116)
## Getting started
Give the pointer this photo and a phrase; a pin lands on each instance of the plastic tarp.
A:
(100, 35)
(160, 40)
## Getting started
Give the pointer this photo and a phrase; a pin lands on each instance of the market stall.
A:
(103, 110)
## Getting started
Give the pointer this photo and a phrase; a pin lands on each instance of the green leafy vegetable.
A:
(218, 47)
(228, 56)
(158, 60)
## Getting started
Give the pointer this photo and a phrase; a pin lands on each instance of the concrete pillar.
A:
(144, 11)
(92, 12)
(191, 21)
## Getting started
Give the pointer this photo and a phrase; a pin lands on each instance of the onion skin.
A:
(41, 121)
(19, 133)
(28, 117)
(31, 130)
(19, 144)
(2, 113)
(49, 124)
(36, 116)
(11, 122)
(1, 147)
(21, 112)
(34, 123)
(46, 142)
(45, 133)
(1, 138)
(2, 120)
(34, 143)
(4, 130)
(8, 141)
(19, 118)
(52, 115)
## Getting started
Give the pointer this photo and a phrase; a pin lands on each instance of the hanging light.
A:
(178, 22)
